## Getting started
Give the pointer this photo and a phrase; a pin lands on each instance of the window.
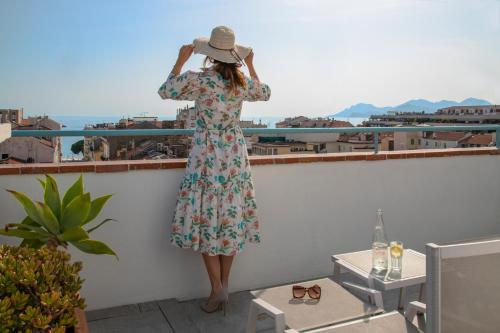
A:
(444, 145)
(435, 144)
(412, 141)
(5, 156)
(275, 151)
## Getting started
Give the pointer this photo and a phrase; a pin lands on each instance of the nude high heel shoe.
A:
(218, 302)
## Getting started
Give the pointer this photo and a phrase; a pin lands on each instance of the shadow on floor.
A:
(172, 316)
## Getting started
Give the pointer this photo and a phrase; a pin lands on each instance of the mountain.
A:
(362, 110)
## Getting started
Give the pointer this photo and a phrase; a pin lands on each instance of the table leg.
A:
(371, 285)
(421, 294)
(402, 298)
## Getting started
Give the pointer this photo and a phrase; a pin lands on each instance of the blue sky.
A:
(90, 57)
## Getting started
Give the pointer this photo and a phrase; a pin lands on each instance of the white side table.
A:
(360, 264)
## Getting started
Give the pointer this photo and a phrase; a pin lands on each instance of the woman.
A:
(216, 211)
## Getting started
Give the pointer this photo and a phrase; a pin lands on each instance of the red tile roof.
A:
(478, 139)
(447, 136)
(12, 160)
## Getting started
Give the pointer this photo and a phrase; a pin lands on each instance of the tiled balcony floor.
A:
(171, 316)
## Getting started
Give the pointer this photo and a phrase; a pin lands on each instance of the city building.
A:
(407, 140)
(477, 140)
(353, 142)
(386, 141)
(441, 140)
(29, 149)
(187, 116)
(136, 147)
(251, 124)
(13, 116)
(280, 146)
(470, 110)
(323, 142)
(302, 121)
(472, 114)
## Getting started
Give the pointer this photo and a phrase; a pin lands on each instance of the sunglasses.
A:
(300, 291)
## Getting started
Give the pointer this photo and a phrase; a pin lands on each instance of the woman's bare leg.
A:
(212, 264)
(225, 269)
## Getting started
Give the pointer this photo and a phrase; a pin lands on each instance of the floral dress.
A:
(216, 210)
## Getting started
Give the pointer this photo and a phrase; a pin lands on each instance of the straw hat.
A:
(221, 46)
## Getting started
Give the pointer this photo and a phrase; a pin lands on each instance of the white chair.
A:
(463, 286)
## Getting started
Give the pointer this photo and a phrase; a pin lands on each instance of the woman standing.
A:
(216, 210)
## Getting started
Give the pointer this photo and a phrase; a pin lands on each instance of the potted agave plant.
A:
(49, 225)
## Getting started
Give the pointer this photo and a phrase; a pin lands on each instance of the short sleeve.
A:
(256, 91)
(184, 87)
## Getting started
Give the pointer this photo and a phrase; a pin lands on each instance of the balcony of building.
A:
(310, 207)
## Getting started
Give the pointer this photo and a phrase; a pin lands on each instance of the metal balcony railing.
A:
(249, 131)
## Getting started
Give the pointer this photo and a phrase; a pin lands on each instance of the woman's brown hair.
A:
(229, 72)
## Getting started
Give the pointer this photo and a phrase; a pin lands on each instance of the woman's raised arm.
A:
(183, 86)
(256, 91)
(251, 68)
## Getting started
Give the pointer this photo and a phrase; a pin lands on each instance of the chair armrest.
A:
(258, 306)
(268, 308)
(413, 308)
(375, 294)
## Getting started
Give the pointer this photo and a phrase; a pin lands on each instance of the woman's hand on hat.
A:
(249, 59)
(184, 53)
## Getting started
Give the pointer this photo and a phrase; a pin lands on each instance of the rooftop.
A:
(478, 139)
(310, 207)
(446, 136)
(173, 316)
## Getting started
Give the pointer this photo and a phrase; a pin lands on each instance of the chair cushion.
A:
(335, 306)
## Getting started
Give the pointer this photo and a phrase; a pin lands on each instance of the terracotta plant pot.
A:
(82, 326)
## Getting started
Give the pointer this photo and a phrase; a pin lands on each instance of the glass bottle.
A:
(379, 245)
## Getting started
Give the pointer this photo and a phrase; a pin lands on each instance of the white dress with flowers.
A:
(216, 210)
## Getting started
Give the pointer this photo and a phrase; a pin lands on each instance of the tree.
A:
(77, 147)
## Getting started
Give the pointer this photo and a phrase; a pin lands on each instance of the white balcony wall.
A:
(307, 212)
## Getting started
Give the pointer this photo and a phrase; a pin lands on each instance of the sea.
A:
(79, 122)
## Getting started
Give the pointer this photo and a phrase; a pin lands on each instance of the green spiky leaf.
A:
(42, 183)
(48, 219)
(76, 212)
(94, 247)
(99, 225)
(28, 227)
(51, 196)
(73, 235)
(96, 207)
(28, 221)
(28, 205)
(22, 234)
(75, 190)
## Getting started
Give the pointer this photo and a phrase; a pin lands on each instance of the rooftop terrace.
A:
(310, 207)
